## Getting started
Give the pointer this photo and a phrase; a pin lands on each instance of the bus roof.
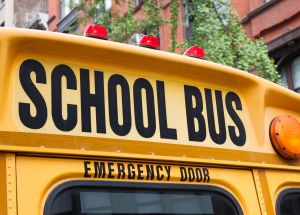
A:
(66, 94)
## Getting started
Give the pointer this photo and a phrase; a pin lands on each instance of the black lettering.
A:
(220, 137)
(168, 170)
(87, 169)
(114, 81)
(139, 85)
(191, 174)
(206, 175)
(121, 170)
(110, 170)
(150, 172)
(165, 132)
(39, 120)
(140, 171)
(89, 100)
(183, 174)
(193, 113)
(198, 175)
(56, 87)
(231, 98)
(159, 175)
(99, 170)
(131, 172)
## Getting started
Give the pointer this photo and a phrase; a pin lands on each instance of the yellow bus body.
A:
(43, 146)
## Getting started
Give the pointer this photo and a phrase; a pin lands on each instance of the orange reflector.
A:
(285, 136)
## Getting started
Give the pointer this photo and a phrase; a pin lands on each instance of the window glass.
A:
(107, 4)
(66, 6)
(137, 2)
(288, 202)
(284, 78)
(223, 10)
(296, 73)
(189, 7)
(124, 200)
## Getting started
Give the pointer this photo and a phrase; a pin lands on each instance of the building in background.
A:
(7, 13)
(278, 22)
(24, 14)
(63, 15)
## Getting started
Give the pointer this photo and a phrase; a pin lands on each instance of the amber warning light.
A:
(285, 136)
(96, 31)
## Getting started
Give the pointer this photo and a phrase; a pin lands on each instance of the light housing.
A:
(135, 39)
(195, 51)
(149, 41)
(96, 31)
(285, 136)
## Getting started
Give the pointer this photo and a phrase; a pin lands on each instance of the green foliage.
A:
(120, 26)
(152, 18)
(174, 8)
(216, 28)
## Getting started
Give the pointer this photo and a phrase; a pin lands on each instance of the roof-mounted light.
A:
(149, 41)
(195, 51)
(135, 39)
(285, 136)
(96, 31)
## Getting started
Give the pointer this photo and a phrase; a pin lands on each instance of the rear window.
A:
(129, 198)
(288, 202)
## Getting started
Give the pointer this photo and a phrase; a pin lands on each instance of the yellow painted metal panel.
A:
(277, 181)
(182, 79)
(8, 200)
(3, 184)
(47, 173)
(175, 107)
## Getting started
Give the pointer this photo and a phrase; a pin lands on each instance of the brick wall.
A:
(164, 31)
(54, 14)
(269, 20)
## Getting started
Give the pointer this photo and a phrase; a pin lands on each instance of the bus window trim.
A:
(282, 194)
(137, 185)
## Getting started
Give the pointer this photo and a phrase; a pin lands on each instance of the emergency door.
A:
(62, 186)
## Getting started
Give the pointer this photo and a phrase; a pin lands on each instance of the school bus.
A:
(96, 127)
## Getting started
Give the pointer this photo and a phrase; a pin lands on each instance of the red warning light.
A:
(95, 31)
(195, 51)
(149, 41)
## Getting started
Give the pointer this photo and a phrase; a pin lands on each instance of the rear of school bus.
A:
(96, 127)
